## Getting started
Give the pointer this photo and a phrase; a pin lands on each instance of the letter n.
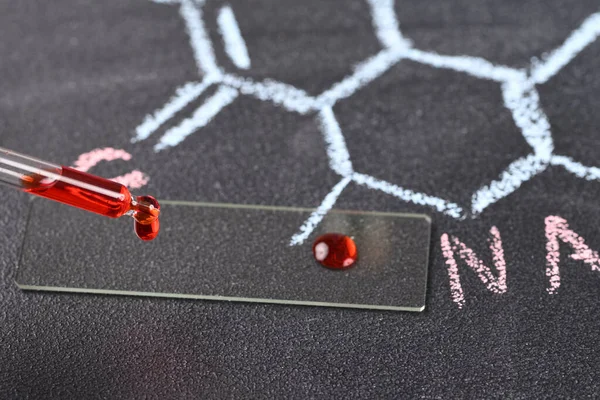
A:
(453, 247)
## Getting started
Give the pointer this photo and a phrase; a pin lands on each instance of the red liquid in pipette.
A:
(97, 195)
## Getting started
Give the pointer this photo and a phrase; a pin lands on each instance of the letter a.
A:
(557, 228)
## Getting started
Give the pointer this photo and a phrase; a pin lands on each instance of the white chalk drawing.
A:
(518, 87)
(234, 42)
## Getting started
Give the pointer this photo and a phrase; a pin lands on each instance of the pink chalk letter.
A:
(452, 245)
(557, 228)
(133, 180)
(91, 158)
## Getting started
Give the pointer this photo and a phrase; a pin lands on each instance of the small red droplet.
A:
(334, 250)
(147, 232)
(146, 213)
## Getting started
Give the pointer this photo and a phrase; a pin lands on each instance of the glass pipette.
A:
(79, 189)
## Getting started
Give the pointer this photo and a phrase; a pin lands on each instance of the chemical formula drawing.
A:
(518, 88)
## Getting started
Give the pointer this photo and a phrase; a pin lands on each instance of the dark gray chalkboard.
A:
(440, 127)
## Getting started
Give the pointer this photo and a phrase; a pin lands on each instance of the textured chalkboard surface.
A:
(483, 116)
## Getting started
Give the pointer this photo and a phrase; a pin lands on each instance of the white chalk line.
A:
(235, 46)
(183, 96)
(579, 39)
(474, 66)
(337, 151)
(287, 96)
(315, 218)
(364, 73)
(202, 116)
(204, 55)
(441, 205)
(522, 99)
(386, 24)
(577, 169)
(518, 172)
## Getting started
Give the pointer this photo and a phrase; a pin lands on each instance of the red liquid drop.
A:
(334, 250)
(98, 195)
(146, 213)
